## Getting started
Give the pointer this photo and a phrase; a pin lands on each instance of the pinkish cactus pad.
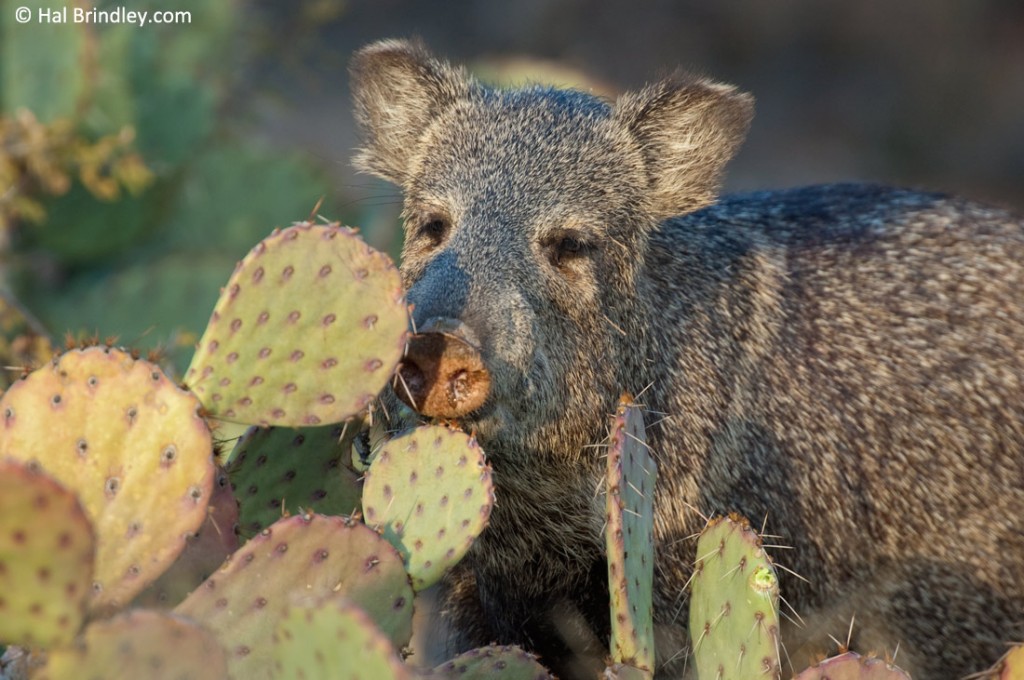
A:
(139, 644)
(298, 560)
(853, 666)
(47, 548)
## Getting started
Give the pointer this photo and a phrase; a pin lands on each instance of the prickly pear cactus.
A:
(629, 535)
(734, 604)
(298, 560)
(204, 552)
(334, 638)
(621, 671)
(130, 444)
(504, 662)
(308, 330)
(852, 666)
(431, 493)
(46, 559)
(1012, 665)
(280, 470)
(139, 644)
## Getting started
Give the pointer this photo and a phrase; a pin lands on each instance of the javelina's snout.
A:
(443, 374)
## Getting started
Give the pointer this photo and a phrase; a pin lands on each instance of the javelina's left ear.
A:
(687, 129)
(398, 88)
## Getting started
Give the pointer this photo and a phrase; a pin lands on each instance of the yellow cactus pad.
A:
(130, 444)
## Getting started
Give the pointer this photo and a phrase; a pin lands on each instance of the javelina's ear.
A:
(688, 129)
(398, 87)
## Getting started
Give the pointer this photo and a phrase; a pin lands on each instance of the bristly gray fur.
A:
(845, 360)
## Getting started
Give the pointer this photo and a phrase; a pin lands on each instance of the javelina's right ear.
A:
(398, 88)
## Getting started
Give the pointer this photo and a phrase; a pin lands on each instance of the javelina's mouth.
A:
(443, 374)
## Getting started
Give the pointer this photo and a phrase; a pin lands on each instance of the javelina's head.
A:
(527, 218)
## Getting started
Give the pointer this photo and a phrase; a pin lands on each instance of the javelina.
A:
(846, 360)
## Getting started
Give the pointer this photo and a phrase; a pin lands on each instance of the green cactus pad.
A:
(283, 470)
(334, 639)
(204, 552)
(503, 662)
(431, 493)
(139, 644)
(734, 604)
(853, 666)
(131, 444)
(308, 330)
(629, 535)
(297, 560)
(46, 559)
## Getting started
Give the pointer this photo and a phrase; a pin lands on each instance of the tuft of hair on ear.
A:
(398, 87)
(687, 128)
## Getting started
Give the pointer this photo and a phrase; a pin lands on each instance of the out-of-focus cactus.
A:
(332, 639)
(139, 644)
(46, 558)
(41, 63)
(131, 444)
(23, 342)
(853, 666)
(431, 493)
(308, 330)
(629, 535)
(280, 470)
(298, 560)
(734, 604)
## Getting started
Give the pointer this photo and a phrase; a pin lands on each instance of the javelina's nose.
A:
(443, 374)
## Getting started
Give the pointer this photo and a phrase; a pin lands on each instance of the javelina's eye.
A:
(434, 230)
(566, 248)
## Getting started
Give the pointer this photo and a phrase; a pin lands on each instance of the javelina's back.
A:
(848, 361)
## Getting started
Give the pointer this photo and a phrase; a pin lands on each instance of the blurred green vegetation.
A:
(129, 185)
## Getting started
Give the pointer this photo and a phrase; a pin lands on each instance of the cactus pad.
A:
(1011, 666)
(734, 604)
(431, 493)
(300, 559)
(308, 330)
(504, 662)
(622, 671)
(130, 444)
(852, 666)
(204, 552)
(629, 535)
(46, 559)
(279, 470)
(334, 639)
(139, 644)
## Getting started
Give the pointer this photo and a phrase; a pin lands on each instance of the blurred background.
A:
(137, 164)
